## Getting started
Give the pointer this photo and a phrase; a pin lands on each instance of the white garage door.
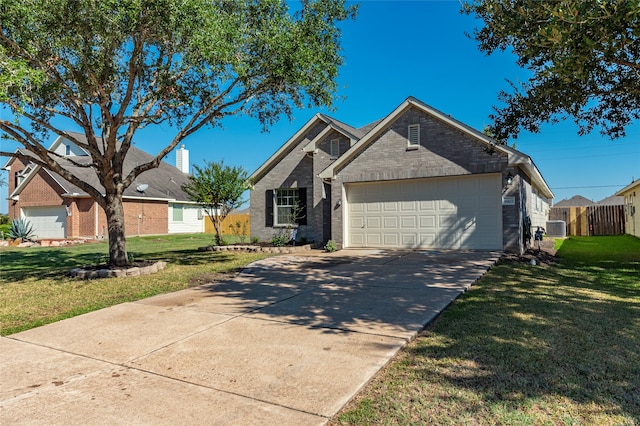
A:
(47, 222)
(454, 213)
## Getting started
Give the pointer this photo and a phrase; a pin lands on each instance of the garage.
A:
(450, 213)
(47, 222)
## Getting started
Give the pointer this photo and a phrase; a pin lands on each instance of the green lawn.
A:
(35, 287)
(527, 345)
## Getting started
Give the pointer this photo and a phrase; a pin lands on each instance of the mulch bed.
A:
(546, 254)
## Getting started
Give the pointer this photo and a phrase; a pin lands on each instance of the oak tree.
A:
(584, 59)
(113, 67)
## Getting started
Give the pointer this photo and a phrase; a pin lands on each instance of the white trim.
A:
(96, 209)
(283, 150)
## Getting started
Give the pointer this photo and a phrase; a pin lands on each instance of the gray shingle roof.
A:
(575, 201)
(163, 182)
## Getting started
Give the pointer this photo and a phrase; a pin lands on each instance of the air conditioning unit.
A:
(556, 228)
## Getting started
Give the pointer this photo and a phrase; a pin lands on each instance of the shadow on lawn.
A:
(542, 332)
(18, 265)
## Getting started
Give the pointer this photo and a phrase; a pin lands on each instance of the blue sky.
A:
(396, 49)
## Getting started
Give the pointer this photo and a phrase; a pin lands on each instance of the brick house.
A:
(417, 178)
(56, 208)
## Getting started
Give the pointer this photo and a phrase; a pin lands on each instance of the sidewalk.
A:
(289, 341)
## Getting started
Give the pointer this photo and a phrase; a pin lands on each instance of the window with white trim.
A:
(414, 136)
(285, 202)
(177, 213)
(334, 148)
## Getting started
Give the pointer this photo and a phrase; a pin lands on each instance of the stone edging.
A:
(109, 273)
(257, 249)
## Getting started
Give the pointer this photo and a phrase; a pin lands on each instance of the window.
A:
(178, 213)
(68, 150)
(414, 136)
(334, 148)
(286, 206)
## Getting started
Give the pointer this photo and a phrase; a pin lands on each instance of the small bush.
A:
(255, 240)
(279, 240)
(4, 219)
(330, 246)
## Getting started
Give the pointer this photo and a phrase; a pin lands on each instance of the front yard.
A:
(546, 344)
(35, 288)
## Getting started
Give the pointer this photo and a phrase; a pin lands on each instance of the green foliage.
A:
(551, 344)
(280, 240)
(21, 228)
(112, 67)
(330, 246)
(255, 240)
(4, 219)
(218, 189)
(584, 57)
(240, 229)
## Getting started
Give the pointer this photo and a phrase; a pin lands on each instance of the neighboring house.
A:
(631, 194)
(417, 178)
(154, 204)
(612, 200)
(575, 201)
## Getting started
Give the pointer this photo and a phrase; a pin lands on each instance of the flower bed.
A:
(257, 249)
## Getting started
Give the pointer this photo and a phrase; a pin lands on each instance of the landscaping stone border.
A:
(90, 274)
(258, 249)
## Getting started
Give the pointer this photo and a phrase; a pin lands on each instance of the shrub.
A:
(279, 240)
(255, 240)
(330, 246)
(21, 228)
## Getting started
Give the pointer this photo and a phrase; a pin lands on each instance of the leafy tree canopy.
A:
(112, 67)
(218, 189)
(584, 57)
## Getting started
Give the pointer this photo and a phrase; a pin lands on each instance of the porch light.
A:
(509, 179)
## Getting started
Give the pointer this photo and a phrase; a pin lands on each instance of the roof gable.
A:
(379, 127)
(628, 188)
(287, 147)
(164, 182)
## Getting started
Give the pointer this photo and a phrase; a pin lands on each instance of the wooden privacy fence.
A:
(234, 224)
(591, 220)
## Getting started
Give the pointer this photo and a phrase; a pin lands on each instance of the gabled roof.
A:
(164, 182)
(287, 147)
(575, 201)
(516, 158)
(633, 184)
(362, 136)
(612, 200)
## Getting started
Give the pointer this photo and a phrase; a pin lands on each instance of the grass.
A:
(35, 288)
(527, 345)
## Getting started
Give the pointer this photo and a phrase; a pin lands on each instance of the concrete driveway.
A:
(288, 341)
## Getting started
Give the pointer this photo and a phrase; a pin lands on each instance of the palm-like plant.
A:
(21, 228)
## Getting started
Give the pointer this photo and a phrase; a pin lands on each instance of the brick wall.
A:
(140, 218)
(295, 170)
(443, 151)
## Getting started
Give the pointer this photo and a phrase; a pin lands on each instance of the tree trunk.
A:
(217, 224)
(115, 223)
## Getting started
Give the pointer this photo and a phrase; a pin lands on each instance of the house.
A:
(154, 204)
(631, 194)
(417, 178)
(575, 201)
